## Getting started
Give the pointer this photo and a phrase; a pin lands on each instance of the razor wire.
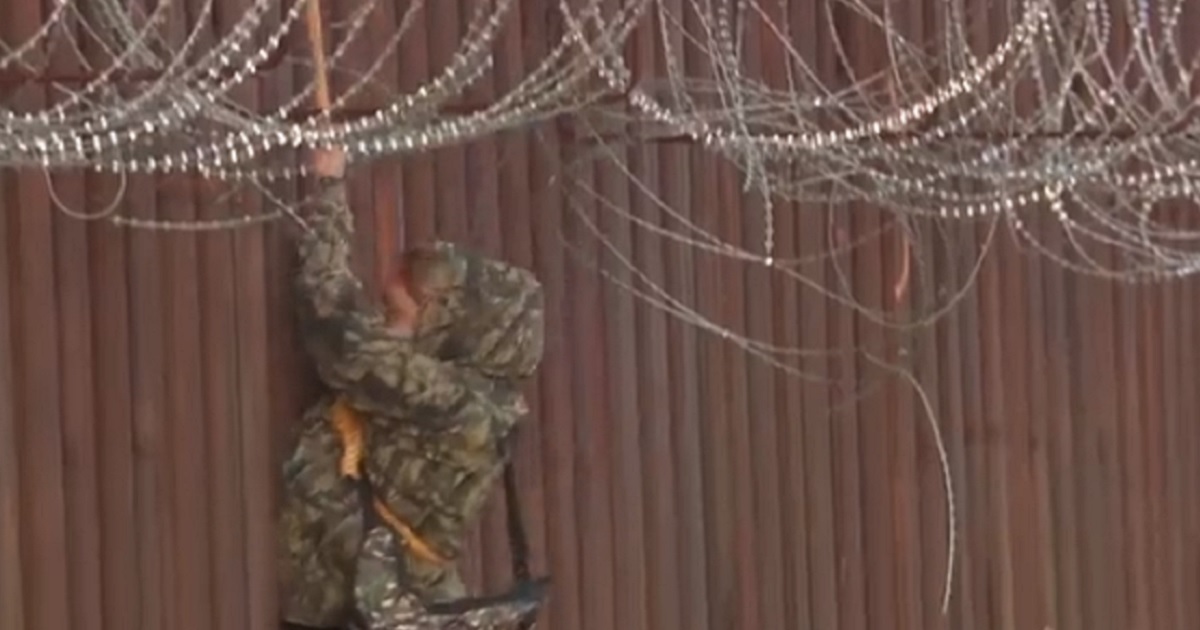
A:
(154, 97)
(1083, 109)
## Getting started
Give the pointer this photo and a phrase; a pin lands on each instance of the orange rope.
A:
(316, 39)
(326, 162)
(416, 544)
(349, 427)
(900, 288)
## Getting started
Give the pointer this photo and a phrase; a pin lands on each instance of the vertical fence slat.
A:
(652, 396)
(953, 271)
(79, 452)
(1188, 463)
(259, 476)
(189, 549)
(823, 392)
(978, 441)
(759, 304)
(1066, 503)
(1184, 439)
(718, 499)
(999, 438)
(676, 173)
(846, 479)
(1148, 308)
(417, 181)
(79, 404)
(927, 292)
(623, 421)
(1099, 459)
(147, 369)
(12, 591)
(749, 611)
(36, 368)
(107, 263)
(843, 370)
(226, 524)
(148, 381)
(819, 417)
(1131, 425)
(789, 442)
(38, 404)
(187, 412)
(559, 443)
(592, 414)
(1035, 371)
(556, 420)
(387, 176)
(904, 433)
(786, 440)
(1176, 415)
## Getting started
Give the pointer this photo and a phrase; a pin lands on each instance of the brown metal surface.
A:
(149, 383)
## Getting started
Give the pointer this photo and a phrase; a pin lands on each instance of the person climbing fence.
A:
(394, 465)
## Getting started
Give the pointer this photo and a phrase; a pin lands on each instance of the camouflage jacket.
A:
(439, 408)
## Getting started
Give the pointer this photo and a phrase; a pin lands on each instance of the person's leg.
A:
(381, 599)
(320, 527)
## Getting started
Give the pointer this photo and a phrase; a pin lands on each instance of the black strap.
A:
(366, 499)
(518, 540)
(370, 520)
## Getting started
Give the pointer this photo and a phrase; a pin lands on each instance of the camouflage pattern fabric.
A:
(438, 407)
(385, 604)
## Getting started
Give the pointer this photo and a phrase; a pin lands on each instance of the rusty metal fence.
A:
(148, 383)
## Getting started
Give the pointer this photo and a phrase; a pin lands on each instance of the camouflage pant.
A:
(384, 604)
(321, 533)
